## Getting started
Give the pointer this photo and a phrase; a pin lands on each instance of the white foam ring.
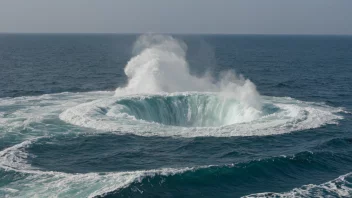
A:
(290, 115)
(339, 187)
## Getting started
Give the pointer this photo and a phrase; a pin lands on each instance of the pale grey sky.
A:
(177, 16)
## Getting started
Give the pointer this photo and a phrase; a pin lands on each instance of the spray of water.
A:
(160, 66)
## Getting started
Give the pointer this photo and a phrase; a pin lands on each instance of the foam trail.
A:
(47, 184)
(38, 183)
(161, 66)
(339, 187)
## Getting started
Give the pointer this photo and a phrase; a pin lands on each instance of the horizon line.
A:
(140, 33)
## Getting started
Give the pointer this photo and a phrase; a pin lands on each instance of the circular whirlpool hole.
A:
(196, 110)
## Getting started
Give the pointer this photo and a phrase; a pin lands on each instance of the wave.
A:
(33, 182)
(236, 179)
(30, 180)
(339, 187)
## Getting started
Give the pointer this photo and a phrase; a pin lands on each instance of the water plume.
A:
(160, 66)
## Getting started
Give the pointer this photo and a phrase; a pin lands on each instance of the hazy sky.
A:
(177, 16)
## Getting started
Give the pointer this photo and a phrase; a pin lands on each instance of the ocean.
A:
(127, 115)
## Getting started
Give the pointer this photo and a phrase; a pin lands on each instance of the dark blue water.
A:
(42, 74)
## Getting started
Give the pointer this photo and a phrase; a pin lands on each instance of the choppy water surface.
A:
(82, 116)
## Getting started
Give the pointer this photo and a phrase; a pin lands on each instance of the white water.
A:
(287, 115)
(160, 66)
(339, 187)
(37, 183)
